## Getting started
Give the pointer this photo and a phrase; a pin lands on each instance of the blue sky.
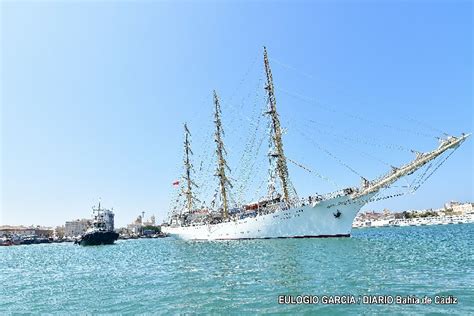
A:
(94, 94)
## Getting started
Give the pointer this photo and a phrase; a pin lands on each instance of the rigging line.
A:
(348, 141)
(419, 181)
(435, 164)
(202, 171)
(173, 201)
(362, 152)
(198, 113)
(250, 143)
(410, 189)
(407, 186)
(420, 176)
(273, 60)
(313, 172)
(336, 136)
(436, 168)
(258, 190)
(247, 156)
(250, 170)
(254, 127)
(398, 186)
(246, 74)
(374, 142)
(254, 93)
(204, 184)
(205, 157)
(327, 108)
(316, 144)
(202, 143)
(359, 101)
(437, 130)
(238, 111)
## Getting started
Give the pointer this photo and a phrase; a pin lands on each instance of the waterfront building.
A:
(45, 232)
(77, 227)
(150, 222)
(136, 227)
(16, 230)
(452, 213)
(459, 208)
(109, 220)
(59, 231)
(40, 231)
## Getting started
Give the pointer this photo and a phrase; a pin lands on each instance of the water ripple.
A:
(162, 276)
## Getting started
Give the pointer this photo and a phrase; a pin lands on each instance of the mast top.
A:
(186, 129)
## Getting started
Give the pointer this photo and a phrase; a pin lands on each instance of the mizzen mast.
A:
(221, 162)
(276, 133)
(188, 167)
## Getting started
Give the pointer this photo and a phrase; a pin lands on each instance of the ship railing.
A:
(333, 195)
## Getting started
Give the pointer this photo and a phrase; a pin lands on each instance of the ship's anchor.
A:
(338, 214)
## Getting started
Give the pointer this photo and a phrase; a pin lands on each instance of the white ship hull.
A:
(316, 220)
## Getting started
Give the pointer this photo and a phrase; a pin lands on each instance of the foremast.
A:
(221, 161)
(276, 151)
(188, 167)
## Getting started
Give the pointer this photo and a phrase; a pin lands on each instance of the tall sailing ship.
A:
(281, 214)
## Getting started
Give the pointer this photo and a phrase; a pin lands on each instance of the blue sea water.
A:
(167, 276)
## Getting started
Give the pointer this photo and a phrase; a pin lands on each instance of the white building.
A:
(77, 227)
(109, 220)
(465, 208)
(459, 208)
(26, 231)
(150, 222)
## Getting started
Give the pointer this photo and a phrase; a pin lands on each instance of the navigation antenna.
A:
(221, 162)
(188, 167)
(275, 131)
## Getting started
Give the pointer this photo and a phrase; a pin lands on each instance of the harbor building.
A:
(39, 231)
(136, 227)
(59, 232)
(150, 222)
(459, 208)
(77, 227)
(109, 220)
(452, 213)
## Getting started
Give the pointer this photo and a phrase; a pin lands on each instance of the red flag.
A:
(176, 183)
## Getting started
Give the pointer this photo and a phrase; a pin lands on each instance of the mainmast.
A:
(221, 162)
(276, 134)
(187, 169)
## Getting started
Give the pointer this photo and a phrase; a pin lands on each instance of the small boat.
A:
(4, 241)
(102, 230)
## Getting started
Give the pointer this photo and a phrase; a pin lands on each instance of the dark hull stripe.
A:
(98, 238)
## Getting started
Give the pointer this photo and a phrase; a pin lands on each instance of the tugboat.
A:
(102, 230)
